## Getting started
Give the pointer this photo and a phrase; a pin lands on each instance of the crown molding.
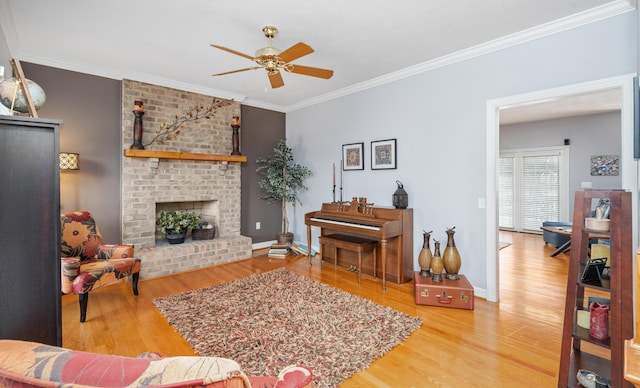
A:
(264, 105)
(567, 23)
(131, 75)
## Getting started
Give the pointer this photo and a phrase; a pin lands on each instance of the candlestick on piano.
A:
(334, 183)
(340, 180)
(334, 174)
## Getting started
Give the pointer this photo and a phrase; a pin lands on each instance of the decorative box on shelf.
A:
(448, 293)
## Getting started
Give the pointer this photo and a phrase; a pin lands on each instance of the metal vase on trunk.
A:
(436, 264)
(425, 256)
(451, 257)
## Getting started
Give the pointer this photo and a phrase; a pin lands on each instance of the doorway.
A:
(628, 166)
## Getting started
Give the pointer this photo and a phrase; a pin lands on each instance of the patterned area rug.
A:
(270, 320)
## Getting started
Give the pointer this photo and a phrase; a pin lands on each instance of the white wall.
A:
(438, 119)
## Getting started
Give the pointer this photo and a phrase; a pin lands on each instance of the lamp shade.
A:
(69, 161)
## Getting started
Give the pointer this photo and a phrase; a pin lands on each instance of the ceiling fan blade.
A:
(275, 78)
(233, 51)
(237, 71)
(312, 71)
(294, 52)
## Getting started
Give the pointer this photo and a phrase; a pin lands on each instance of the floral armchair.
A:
(88, 263)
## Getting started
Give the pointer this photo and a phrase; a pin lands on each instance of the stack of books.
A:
(279, 250)
(298, 250)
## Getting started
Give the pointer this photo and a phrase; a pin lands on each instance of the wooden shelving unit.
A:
(183, 156)
(632, 349)
(619, 288)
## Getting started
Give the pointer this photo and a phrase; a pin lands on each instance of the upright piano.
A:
(391, 227)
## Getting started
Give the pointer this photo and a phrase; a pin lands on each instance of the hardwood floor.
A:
(512, 343)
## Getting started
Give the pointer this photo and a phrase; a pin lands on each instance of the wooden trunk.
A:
(448, 293)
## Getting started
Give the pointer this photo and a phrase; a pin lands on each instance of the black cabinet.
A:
(30, 297)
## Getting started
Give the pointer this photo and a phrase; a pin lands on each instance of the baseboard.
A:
(262, 245)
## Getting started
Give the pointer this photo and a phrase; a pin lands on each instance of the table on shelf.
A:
(566, 231)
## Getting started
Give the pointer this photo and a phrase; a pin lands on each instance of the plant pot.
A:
(176, 237)
(284, 238)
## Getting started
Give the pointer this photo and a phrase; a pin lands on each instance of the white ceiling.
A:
(167, 42)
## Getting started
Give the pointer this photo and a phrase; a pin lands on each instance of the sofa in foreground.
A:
(30, 364)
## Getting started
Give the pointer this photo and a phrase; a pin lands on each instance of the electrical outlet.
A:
(258, 225)
(585, 185)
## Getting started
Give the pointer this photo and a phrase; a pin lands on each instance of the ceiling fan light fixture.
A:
(273, 60)
(269, 31)
(269, 62)
(268, 51)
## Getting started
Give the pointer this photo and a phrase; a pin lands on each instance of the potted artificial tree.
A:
(282, 179)
(176, 224)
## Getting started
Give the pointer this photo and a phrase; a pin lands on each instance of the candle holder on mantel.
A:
(138, 111)
(235, 139)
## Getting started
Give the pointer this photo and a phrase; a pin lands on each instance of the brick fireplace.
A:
(209, 187)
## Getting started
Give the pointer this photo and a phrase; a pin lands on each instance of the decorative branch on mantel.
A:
(170, 131)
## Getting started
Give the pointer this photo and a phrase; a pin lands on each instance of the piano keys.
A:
(346, 223)
(392, 228)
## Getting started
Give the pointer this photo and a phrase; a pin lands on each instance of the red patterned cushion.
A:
(30, 364)
(25, 363)
(294, 376)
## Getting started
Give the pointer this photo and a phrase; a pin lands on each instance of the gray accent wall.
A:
(90, 108)
(260, 132)
(597, 134)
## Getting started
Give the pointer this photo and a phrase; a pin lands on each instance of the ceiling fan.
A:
(273, 60)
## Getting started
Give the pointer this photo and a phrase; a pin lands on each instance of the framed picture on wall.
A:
(383, 154)
(604, 165)
(353, 156)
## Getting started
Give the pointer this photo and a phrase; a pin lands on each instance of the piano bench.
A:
(356, 244)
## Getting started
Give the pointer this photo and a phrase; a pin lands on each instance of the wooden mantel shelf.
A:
(183, 156)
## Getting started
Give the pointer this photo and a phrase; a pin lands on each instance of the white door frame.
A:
(628, 165)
